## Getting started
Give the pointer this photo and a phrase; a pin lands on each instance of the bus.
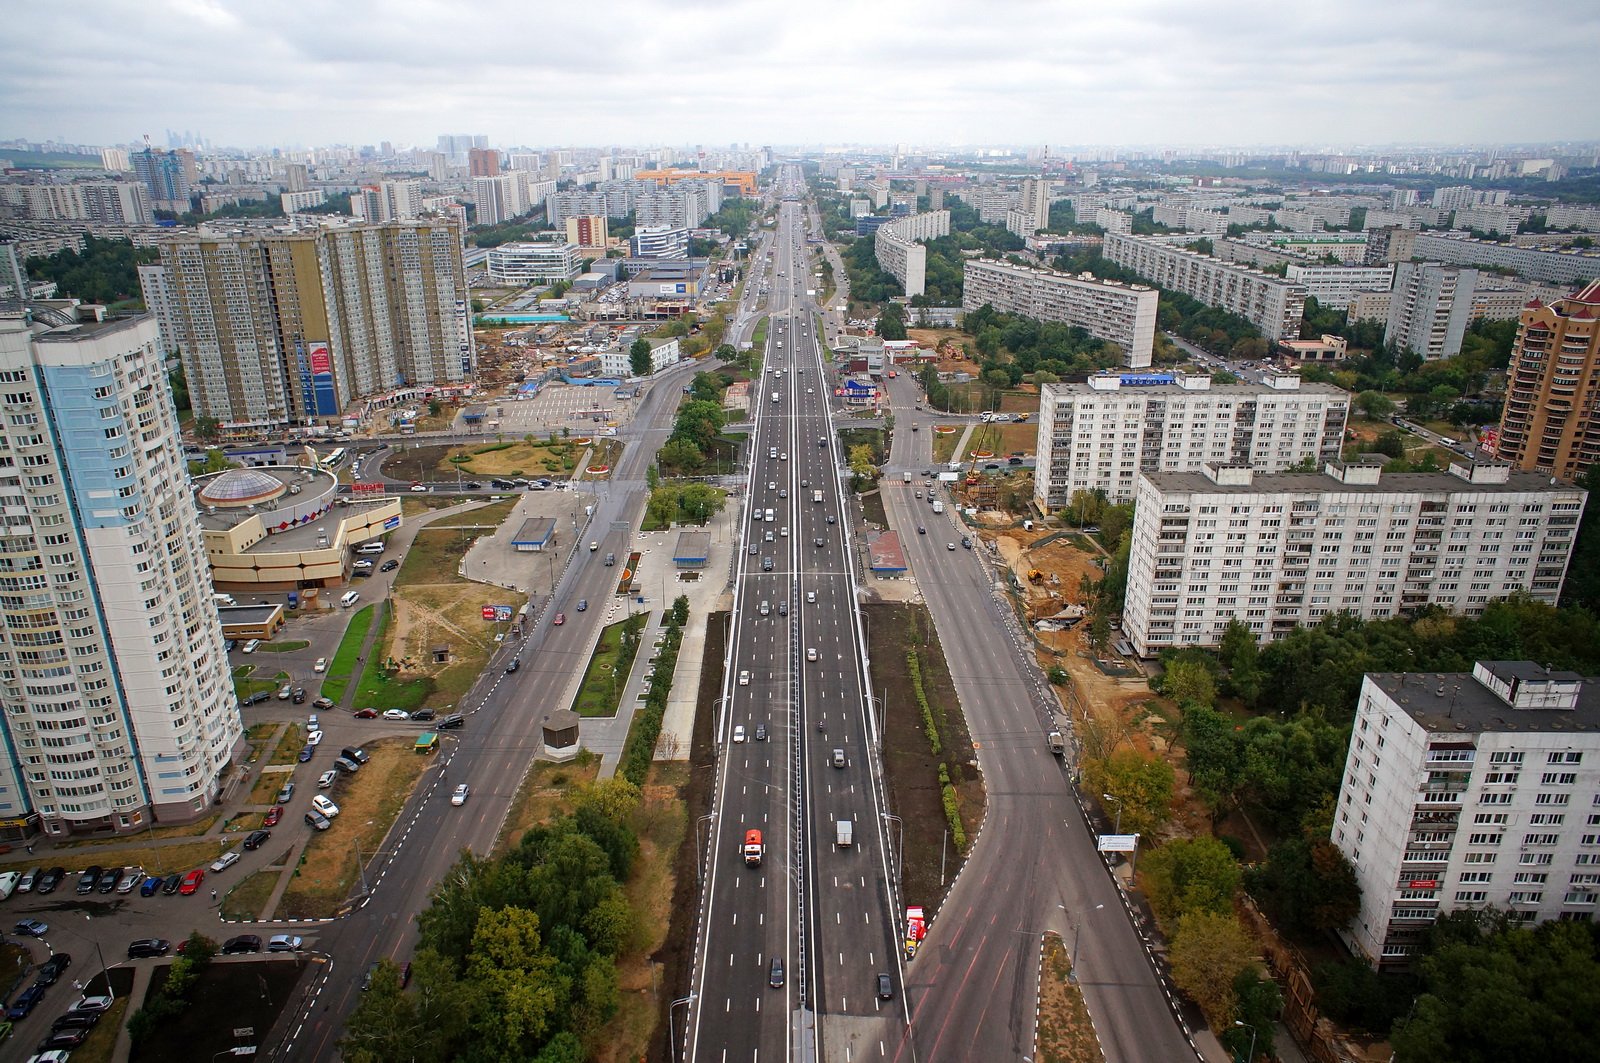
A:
(334, 460)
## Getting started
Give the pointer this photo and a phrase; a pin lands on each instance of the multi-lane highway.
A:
(791, 950)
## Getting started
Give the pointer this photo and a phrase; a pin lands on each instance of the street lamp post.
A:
(672, 1033)
(1077, 931)
(1252, 1056)
(1118, 828)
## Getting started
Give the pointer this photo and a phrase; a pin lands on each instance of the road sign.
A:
(1118, 843)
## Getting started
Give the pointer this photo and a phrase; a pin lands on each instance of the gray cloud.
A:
(928, 72)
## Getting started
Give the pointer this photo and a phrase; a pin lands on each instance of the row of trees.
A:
(694, 432)
(1025, 347)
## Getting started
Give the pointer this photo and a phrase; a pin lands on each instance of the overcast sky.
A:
(935, 73)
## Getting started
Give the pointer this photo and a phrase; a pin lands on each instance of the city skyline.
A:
(719, 71)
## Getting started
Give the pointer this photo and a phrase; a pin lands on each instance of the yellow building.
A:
(286, 529)
(745, 179)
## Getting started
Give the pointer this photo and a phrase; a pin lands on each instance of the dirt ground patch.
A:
(1003, 440)
(932, 338)
(545, 793)
(1066, 1030)
(674, 959)
(488, 458)
(368, 803)
(910, 767)
(224, 998)
(155, 859)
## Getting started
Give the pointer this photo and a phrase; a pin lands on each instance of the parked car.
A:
(63, 1040)
(132, 877)
(306, 753)
(284, 943)
(76, 1020)
(89, 879)
(323, 704)
(30, 928)
(110, 880)
(191, 881)
(51, 970)
(26, 1001)
(299, 697)
(327, 778)
(325, 806)
(250, 647)
(274, 814)
(152, 886)
(94, 1003)
(147, 947)
(317, 820)
(424, 714)
(173, 883)
(285, 794)
(225, 861)
(367, 714)
(314, 738)
(244, 943)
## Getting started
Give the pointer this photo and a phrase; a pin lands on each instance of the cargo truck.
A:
(816, 496)
(753, 849)
(938, 505)
(843, 833)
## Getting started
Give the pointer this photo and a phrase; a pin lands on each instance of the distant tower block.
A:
(561, 736)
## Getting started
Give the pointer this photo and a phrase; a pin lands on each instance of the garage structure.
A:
(535, 534)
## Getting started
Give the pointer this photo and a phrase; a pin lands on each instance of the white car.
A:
(811, 653)
(744, 679)
(314, 738)
(396, 714)
(738, 732)
(323, 805)
(458, 796)
(286, 693)
(250, 647)
(321, 665)
(419, 487)
(225, 861)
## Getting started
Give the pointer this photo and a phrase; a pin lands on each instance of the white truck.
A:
(938, 505)
(843, 833)
(774, 396)
(816, 496)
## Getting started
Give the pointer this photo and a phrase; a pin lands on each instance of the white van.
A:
(374, 547)
(769, 514)
(350, 598)
(223, 599)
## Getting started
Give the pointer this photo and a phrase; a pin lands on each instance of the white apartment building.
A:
(1102, 434)
(1563, 267)
(522, 264)
(1465, 790)
(898, 251)
(1272, 304)
(660, 242)
(1429, 308)
(100, 202)
(617, 362)
(501, 198)
(1336, 286)
(1113, 221)
(1284, 549)
(1124, 314)
(295, 202)
(119, 706)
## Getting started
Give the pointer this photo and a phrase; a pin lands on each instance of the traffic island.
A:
(1065, 1031)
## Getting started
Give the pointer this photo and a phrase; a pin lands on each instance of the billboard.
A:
(1118, 843)
(501, 613)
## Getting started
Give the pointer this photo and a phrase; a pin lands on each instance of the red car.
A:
(561, 618)
(191, 882)
(274, 814)
(367, 714)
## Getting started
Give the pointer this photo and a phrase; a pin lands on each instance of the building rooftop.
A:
(692, 546)
(1318, 482)
(536, 530)
(1165, 384)
(1458, 701)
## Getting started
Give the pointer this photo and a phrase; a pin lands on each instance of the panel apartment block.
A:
(1271, 304)
(283, 326)
(1336, 286)
(1285, 549)
(1429, 308)
(1102, 434)
(118, 702)
(1563, 267)
(1124, 314)
(899, 252)
(1551, 420)
(1469, 790)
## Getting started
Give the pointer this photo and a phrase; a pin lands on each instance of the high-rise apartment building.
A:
(115, 160)
(587, 230)
(296, 177)
(1034, 200)
(1429, 308)
(483, 162)
(1124, 314)
(499, 199)
(166, 176)
(898, 248)
(1272, 304)
(1100, 435)
(1284, 549)
(98, 202)
(1551, 420)
(1469, 790)
(281, 327)
(118, 701)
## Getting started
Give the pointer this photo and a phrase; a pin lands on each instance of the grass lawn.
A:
(155, 859)
(759, 337)
(176, 830)
(379, 687)
(608, 669)
(497, 457)
(245, 900)
(944, 443)
(368, 803)
(1002, 440)
(343, 664)
(607, 452)
(224, 998)
(100, 1046)
(434, 557)
(244, 686)
(265, 791)
(289, 745)
(546, 792)
(282, 647)
(1066, 1030)
(489, 516)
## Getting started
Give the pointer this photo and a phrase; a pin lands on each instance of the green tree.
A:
(682, 456)
(1241, 656)
(1188, 875)
(1375, 404)
(207, 428)
(214, 461)
(518, 984)
(1208, 953)
(892, 323)
(1189, 681)
(1141, 785)
(707, 387)
(639, 357)
(385, 1024)
(1213, 756)
(1260, 1002)
(1306, 886)
(1582, 588)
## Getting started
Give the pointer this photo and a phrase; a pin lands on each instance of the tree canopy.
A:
(105, 271)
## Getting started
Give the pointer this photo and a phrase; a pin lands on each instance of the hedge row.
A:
(952, 808)
(640, 748)
(914, 667)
